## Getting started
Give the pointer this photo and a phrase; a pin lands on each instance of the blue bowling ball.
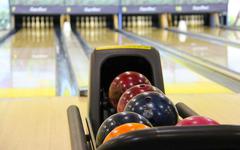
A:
(155, 107)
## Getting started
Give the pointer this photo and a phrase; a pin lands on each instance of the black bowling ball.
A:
(118, 119)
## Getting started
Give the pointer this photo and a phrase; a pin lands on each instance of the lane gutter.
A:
(87, 50)
(86, 47)
(7, 35)
(65, 76)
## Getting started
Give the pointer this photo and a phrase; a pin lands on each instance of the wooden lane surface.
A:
(36, 124)
(29, 60)
(41, 123)
(218, 32)
(223, 108)
(222, 55)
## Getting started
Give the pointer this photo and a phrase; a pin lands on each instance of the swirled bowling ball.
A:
(155, 107)
(197, 121)
(125, 128)
(118, 119)
(123, 82)
(133, 91)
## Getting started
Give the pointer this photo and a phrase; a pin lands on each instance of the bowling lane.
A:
(29, 64)
(173, 72)
(78, 59)
(218, 32)
(223, 55)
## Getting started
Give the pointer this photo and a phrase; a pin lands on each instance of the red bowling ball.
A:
(197, 121)
(133, 91)
(123, 82)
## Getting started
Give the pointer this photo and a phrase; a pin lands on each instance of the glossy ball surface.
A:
(197, 121)
(133, 91)
(155, 107)
(125, 128)
(116, 120)
(123, 82)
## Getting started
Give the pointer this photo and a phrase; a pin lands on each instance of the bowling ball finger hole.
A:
(148, 98)
(142, 86)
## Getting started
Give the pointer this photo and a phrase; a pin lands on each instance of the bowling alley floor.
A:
(41, 123)
(33, 116)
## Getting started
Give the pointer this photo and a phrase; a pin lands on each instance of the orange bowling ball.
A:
(125, 128)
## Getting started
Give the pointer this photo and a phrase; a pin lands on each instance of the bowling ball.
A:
(118, 119)
(133, 91)
(123, 82)
(125, 128)
(197, 121)
(155, 107)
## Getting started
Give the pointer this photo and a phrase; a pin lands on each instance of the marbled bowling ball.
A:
(123, 82)
(155, 107)
(133, 91)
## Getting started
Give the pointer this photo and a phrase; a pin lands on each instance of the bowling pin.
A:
(188, 20)
(197, 20)
(142, 21)
(47, 22)
(134, 21)
(150, 23)
(139, 22)
(28, 22)
(104, 21)
(96, 22)
(24, 22)
(37, 23)
(194, 21)
(42, 22)
(51, 22)
(129, 21)
(87, 22)
(82, 22)
(100, 22)
(33, 22)
(191, 20)
(202, 20)
(146, 19)
(91, 22)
